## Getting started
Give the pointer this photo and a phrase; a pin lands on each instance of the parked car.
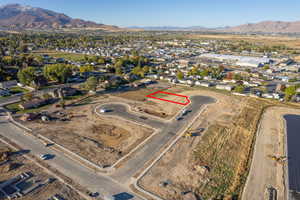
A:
(184, 112)
(178, 118)
(46, 156)
(103, 110)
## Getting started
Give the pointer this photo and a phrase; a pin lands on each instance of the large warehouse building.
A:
(244, 61)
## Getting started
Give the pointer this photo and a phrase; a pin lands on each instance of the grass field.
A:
(15, 108)
(67, 56)
(16, 90)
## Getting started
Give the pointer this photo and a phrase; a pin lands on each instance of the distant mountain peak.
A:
(28, 17)
(18, 7)
(267, 27)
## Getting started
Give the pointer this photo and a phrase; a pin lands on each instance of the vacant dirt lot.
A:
(152, 106)
(102, 140)
(17, 164)
(214, 164)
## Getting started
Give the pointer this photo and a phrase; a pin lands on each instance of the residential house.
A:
(35, 103)
(225, 87)
(8, 84)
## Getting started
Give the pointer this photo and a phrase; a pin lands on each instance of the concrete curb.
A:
(111, 168)
(145, 114)
(72, 153)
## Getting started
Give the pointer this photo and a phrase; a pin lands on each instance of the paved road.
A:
(10, 100)
(168, 131)
(114, 184)
(80, 174)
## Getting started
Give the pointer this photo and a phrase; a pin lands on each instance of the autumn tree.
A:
(26, 75)
(91, 83)
(58, 72)
(180, 75)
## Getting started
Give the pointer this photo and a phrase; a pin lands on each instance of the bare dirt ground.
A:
(214, 164)
(102, 140)
(151, 106)
(267, 40)
(264, 171)
(17, 164)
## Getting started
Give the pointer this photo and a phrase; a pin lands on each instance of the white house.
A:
(206, 84)
(190, 82)
(224, 87)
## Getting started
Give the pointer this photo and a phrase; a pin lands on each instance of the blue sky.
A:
(209, 13)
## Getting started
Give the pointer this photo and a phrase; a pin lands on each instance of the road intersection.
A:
(118, 181)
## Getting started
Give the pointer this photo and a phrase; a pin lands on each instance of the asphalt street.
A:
(80, 174)
(168, 131)
(117, 182)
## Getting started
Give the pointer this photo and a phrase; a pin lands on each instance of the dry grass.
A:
(267, 40)
(226, 149)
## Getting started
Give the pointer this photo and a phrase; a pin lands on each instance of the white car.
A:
(184, 111)
(103, 110)
(43, 156)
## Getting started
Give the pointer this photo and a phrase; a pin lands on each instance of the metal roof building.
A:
(245, 61)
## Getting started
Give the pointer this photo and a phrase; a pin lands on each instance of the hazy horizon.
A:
(206, 13)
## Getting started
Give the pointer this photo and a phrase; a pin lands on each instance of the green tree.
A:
(86, 68)
(58, 72)
(146, 69)
(26, 75)
(237, 77)
(289, 92)
(138, 71)
(101, 61)
(40, 60)
(180, 75)
(194, 71)
(8, 60)
(91, 83)
(119, 63)
(119, 70)
(205, 72)
(239, 89)
(266, 67)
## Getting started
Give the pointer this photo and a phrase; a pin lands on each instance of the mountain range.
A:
(261, 27)
(16, 16)
(27, 17)
(268, 27)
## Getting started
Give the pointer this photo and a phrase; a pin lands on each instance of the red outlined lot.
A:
(186, 98)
